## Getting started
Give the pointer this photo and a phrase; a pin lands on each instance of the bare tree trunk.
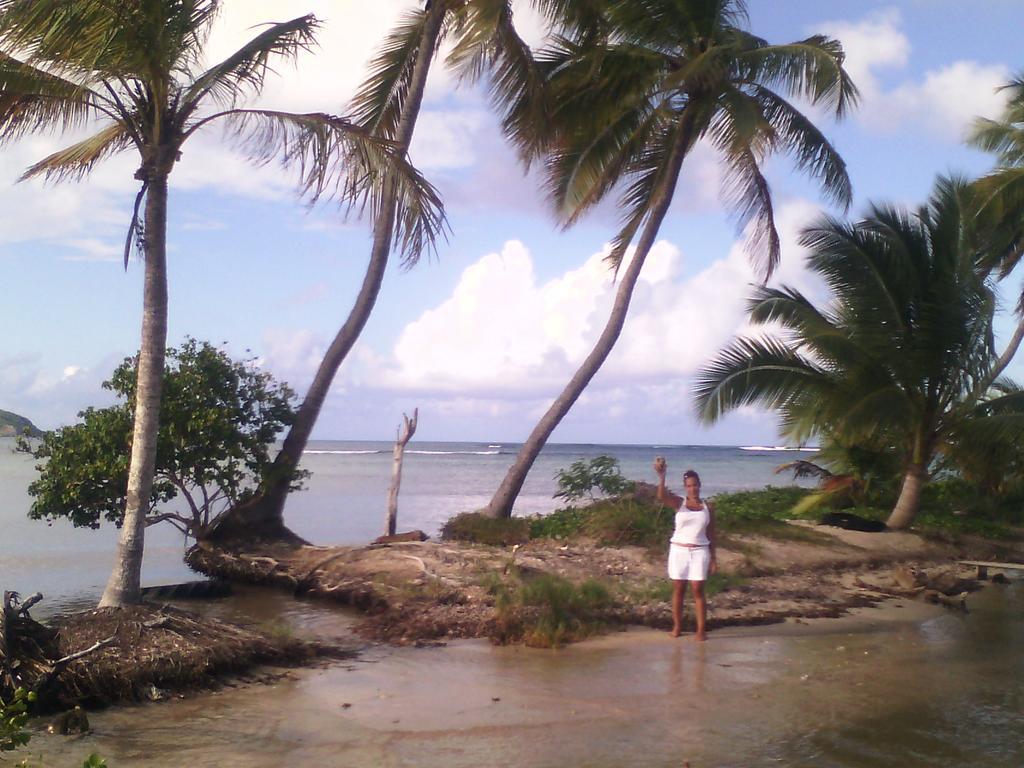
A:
(909, 502)
(501, 504)
(123, 587)
(402, 439)
(1000, 364)
(265, 514)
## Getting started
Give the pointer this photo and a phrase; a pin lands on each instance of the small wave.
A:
(343, 453)
(776, 448)
(494, 446)
(456, 453)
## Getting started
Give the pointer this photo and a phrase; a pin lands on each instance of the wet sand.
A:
(855, 691)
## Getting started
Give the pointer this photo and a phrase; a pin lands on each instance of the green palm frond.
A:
(488, 44)
(242, 73)
(32, 99)
(116, 38)
(76, 161)
(380, 101)
(811, 69)
(761, 371)
(339, 160)
(806, 145)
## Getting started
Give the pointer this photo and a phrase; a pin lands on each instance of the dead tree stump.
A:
(403, 436)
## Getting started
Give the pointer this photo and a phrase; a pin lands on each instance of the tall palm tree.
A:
(903, 355)
(631, 93)
(133, 69)
(484, 43)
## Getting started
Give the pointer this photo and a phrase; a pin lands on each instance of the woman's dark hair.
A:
(690, 473)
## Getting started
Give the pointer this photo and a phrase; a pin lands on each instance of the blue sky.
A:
(482, 336)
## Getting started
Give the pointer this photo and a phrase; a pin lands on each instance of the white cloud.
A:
(503, 332)
(52, 396)
(941, 102)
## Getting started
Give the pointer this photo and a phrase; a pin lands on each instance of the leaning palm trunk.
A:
(501, 504)
(264, 515)
(124, 584)
(909, 502)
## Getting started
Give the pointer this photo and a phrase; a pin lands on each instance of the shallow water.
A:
(910, 686)
(343, 504)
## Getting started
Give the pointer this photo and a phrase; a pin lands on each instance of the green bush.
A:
(13, 717)
(612, 522)
(478, 528)
(549, 611)
(626, 521)
(770, 503)
(582, 478)
(560, 524)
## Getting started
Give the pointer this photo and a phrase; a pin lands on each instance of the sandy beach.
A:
(854, 691)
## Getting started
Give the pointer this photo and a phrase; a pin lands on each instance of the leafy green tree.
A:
(134, 67)
(630, 94)
(583, 477)
(218, 419)
(902, 355)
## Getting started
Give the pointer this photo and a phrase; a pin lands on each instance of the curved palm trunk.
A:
(909, 502)
(123, 587)
(501, 504)
(264, 515)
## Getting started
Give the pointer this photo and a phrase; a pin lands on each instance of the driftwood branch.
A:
(59, 664)
(403, 436)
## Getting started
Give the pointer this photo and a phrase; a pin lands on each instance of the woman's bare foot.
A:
(676, 632)
(700, 637)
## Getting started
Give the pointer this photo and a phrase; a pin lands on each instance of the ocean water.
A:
(343, 503)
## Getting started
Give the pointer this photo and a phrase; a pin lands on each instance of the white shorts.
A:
(688, 563)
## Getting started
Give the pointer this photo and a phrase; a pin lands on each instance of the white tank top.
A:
(692, 525)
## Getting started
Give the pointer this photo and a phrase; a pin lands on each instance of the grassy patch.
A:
(722, 582)
(480, 529)
(549, 611)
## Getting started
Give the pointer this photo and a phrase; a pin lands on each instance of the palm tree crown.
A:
(136, 67)
(647, 76)
(630, 90)
(902, 355)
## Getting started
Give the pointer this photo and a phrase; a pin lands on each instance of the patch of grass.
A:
(655, 591)
(478, 528)
(722, 582)
(549, 611)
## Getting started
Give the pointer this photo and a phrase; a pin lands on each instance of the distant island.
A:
(12, 424)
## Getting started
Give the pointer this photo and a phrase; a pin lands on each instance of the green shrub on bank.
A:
(770, 503)
(13, 718)
(611, 522)
(618, 522)
(477, 528)
(560, 524)
(549, 611)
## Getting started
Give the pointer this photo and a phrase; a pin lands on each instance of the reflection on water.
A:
(931, 689)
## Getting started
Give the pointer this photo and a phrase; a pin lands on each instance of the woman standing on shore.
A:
(691, 556)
